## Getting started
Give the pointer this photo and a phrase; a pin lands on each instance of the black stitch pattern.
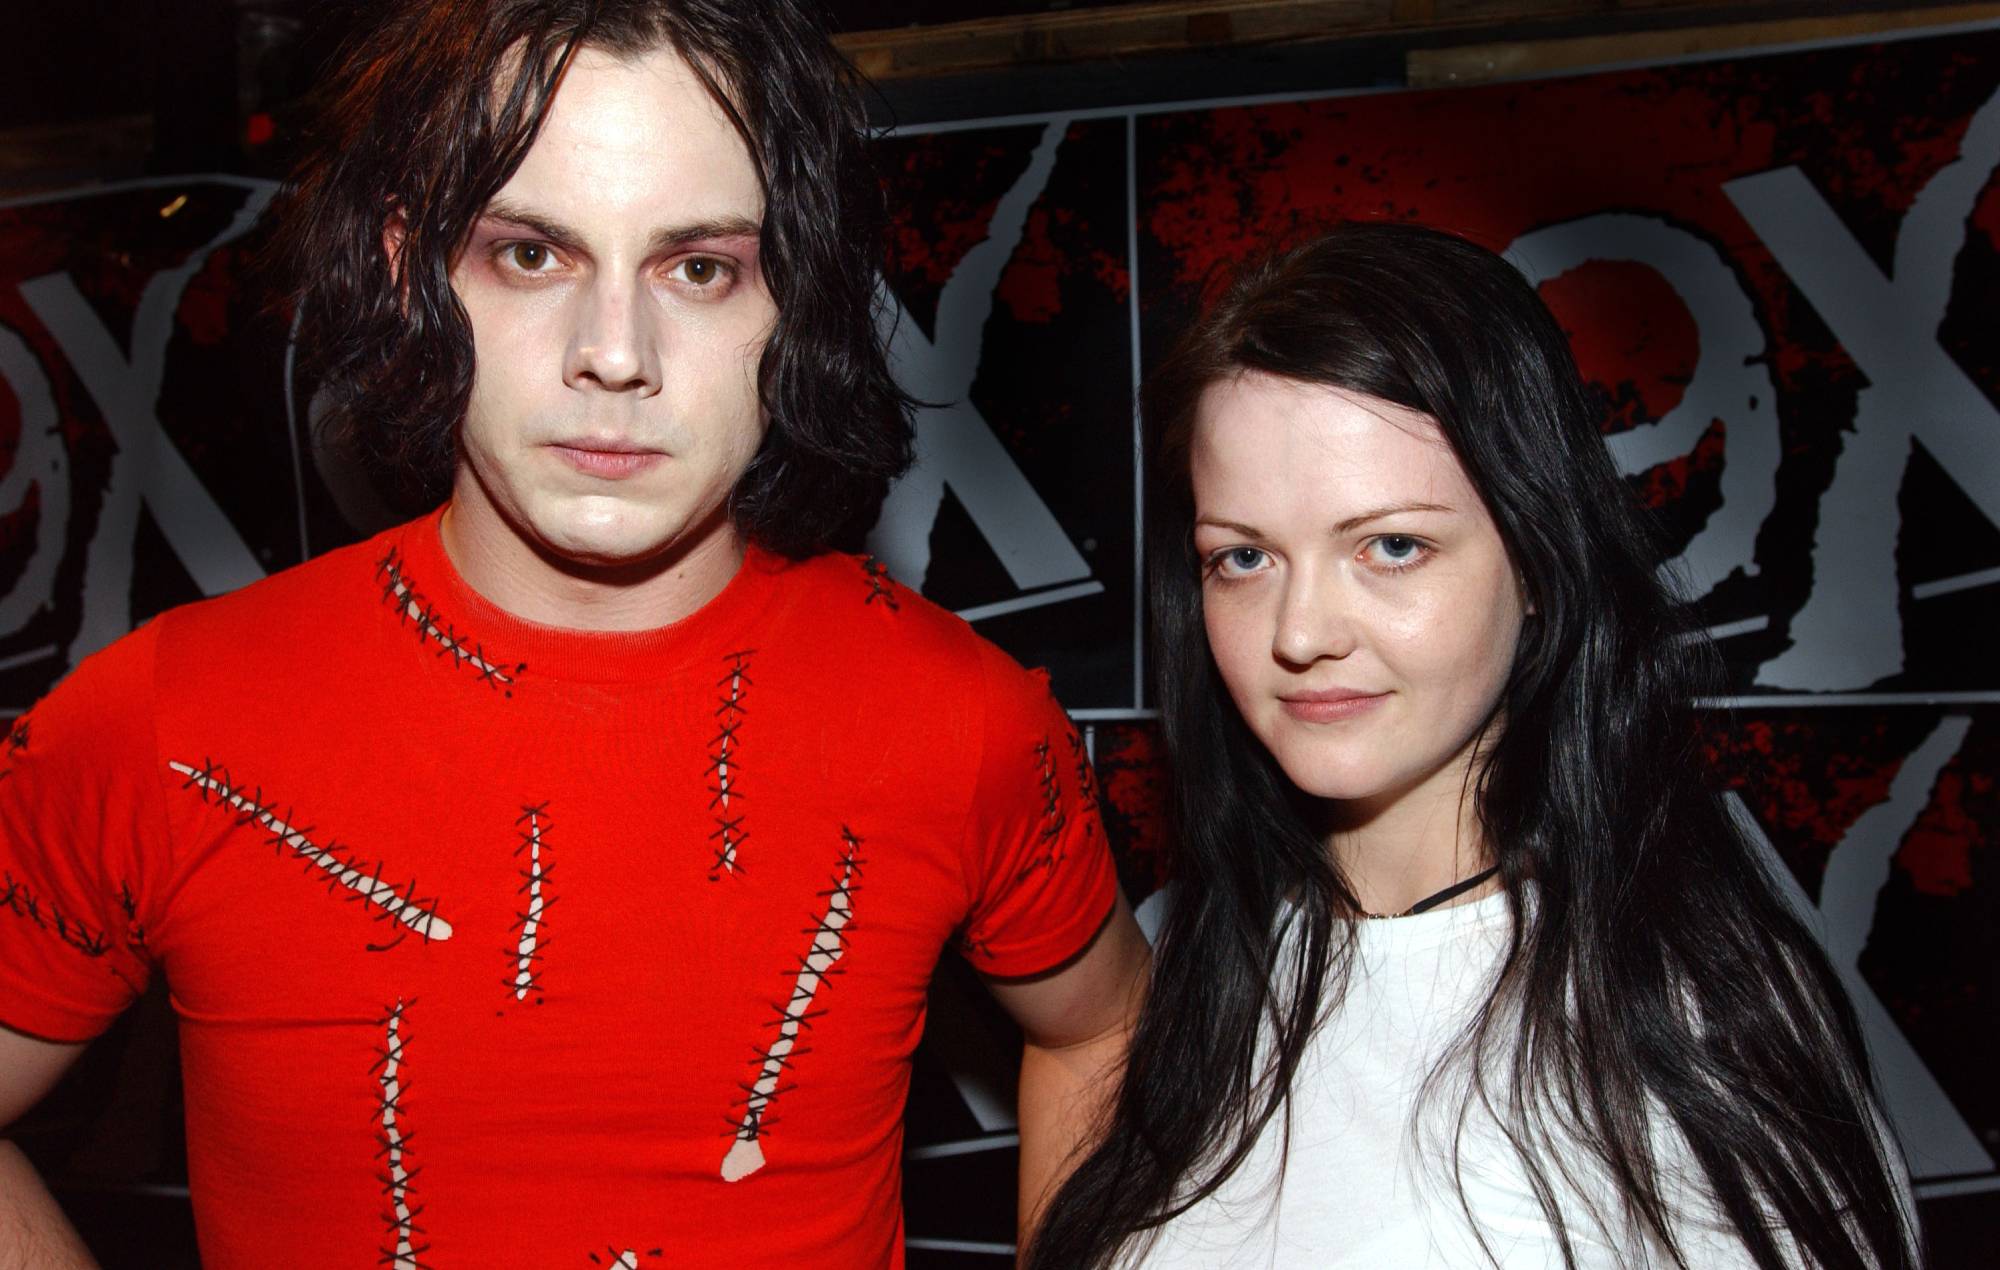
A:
(135, 930)
(880, 585)
(750, 1118)
(725, 770)
(1086, 775)
(43, 915)
(399, 592)
(343, 871)
(17, 741)
(1048, 838)
(403, 1245)
(531, 936)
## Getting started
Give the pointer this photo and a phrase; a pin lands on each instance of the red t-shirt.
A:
(496, 944)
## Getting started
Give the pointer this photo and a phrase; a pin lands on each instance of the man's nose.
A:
(614, 345)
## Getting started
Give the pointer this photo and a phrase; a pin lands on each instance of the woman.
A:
(1415, 663)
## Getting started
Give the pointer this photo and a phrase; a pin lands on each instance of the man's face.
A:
(618, 313)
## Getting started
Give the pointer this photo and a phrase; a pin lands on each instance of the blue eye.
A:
(1234, 562)
(1396, 551)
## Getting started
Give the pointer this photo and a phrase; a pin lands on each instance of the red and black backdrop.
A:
(1780, 274)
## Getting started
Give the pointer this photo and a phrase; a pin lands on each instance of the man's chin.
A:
(625, 549)
(597, 553)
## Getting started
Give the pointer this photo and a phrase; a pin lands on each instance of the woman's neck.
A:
(1400, 849)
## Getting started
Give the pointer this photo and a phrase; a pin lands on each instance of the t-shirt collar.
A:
(559, 652)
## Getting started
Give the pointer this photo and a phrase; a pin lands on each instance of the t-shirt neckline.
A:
(542, 651)
(1434, 926)
(1418, 930)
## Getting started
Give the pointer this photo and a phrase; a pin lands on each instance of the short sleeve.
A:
(81, 828)
(1039, 873)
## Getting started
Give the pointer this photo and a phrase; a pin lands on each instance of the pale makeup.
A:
(1362, 611)
(618, 315)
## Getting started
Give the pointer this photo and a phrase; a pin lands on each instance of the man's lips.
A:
(607, 457)
(1330, 705)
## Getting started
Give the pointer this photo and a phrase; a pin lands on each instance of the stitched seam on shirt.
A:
(531, 938)
(398, 1180)
(45, 916)
(624, 1258)
(880, 585)
(725, 765)
(794, 1017)
(400, 593)
(1048, 851)
(341, 869)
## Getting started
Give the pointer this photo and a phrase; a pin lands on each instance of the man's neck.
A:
(517, 576)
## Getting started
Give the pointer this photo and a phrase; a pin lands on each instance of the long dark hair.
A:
(1654, 971)
(430, 110)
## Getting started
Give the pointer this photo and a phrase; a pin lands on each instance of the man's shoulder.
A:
(297, 610)
(851, 604)
(330, 580)
(885, 636)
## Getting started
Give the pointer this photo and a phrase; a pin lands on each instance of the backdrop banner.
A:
(1780, 274)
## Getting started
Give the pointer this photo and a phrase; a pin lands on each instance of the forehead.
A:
(632, 140)
(1273, 444)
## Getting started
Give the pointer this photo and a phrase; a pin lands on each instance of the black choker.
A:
(1431, 901)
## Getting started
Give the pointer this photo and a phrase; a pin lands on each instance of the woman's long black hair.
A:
(430, 110)
(1655, 972)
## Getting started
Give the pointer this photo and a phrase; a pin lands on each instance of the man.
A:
(556, 879)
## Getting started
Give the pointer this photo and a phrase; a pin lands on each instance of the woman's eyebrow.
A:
(1355, 522)
(1246, 531)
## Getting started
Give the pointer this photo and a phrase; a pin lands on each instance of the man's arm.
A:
(34, 1234)
(1076, 1021)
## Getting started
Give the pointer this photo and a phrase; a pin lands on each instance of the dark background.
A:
(123, 90)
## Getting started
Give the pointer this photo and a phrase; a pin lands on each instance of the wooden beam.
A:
(1164, 26)
(1480, 63)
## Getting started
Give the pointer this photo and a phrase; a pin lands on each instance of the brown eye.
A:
(530, 257)
(700, 271)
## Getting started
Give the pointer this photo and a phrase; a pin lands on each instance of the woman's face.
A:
(1359, 602)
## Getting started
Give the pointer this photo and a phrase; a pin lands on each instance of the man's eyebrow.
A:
(665, 239)
(670, 237)
(1377, 513)
(541, 226)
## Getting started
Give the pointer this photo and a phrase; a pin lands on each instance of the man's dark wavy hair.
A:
(429, 111)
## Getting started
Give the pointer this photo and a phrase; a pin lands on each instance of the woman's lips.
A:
(1331, 706)
(609, 461)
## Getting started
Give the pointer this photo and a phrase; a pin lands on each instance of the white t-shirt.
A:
(1364, 1186)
